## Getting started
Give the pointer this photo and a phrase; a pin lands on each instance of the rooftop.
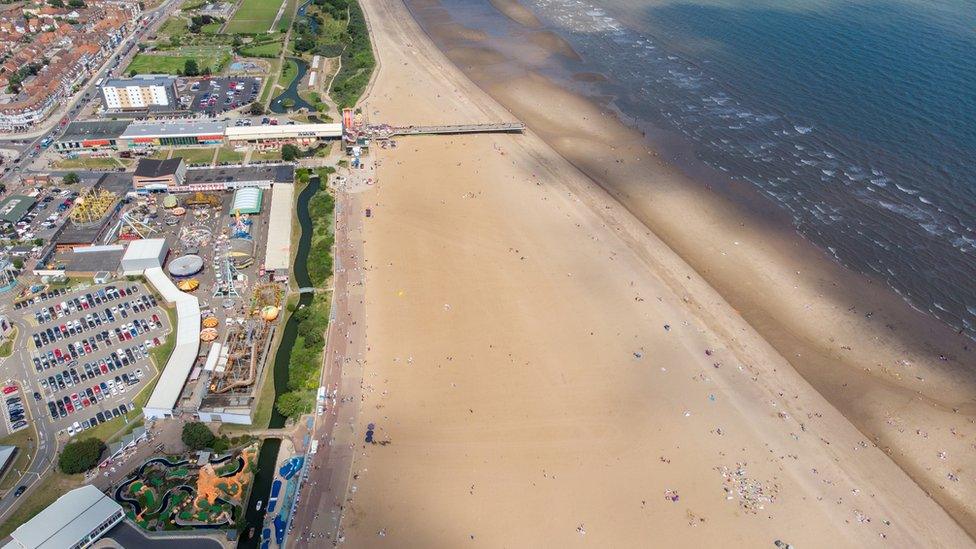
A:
(67, 520)
(148, 167)
(99, 129)
(140, 80)
(174, 129)
(15, 207)
(275, 173)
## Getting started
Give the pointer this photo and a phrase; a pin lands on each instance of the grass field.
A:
(254, 17)
(211, 57)
(195, 156)
(24, 448)
(229, 156)
(7, 347)
(264, 156)
(269, 50)
(86, 163)
(269, 81)
(174, 26)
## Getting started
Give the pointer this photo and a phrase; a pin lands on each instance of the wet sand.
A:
(543, 369)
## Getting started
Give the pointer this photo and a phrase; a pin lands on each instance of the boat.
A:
(258, 506)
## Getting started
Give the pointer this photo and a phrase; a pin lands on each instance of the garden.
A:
(175, 493)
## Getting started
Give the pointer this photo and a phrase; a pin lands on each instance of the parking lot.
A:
(218, 95)
(89, 350)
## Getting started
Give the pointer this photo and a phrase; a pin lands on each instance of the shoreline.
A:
(532, 341)
(846, 318)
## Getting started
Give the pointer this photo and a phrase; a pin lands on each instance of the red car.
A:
(96, 389)
(9, 389)
(85, 402)
(69, 408)
(104, 369)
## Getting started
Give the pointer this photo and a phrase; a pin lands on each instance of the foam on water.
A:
(882, 224)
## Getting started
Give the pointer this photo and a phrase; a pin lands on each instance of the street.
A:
(28, 143)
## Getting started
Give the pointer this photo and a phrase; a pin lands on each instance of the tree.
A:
(190, 68)
(55, 3)
(289, 153)
(257, 109)
(294, 403)
(197, 436)
(81, 455)
(77, 4)
(70, 178)
(18, 263)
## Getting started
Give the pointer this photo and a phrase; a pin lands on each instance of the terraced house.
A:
(48, 52)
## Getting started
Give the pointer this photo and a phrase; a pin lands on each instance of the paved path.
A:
(324, 492)
(131, 537)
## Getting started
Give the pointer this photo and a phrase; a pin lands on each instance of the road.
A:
(323, 493)
(17, 368)
(28, 143)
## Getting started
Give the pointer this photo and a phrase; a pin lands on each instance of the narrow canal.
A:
(278, 103)
(268, 456)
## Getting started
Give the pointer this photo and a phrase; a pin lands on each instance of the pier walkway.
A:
(503, 127)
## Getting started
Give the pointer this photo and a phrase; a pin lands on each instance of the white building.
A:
(144, 254)
(76, 520)
(172, 377)
(139, 92)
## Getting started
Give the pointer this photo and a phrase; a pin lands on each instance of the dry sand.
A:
(545, 371)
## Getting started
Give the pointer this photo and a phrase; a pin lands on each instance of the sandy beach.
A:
(552, 362)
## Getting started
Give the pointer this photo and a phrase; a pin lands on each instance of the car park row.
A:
(15, 408)
(84, 302)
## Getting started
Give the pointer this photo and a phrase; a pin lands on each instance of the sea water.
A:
(857, 118)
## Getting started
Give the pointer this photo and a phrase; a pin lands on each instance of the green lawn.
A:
(7, 347)
(288, 74)
(173, 63)
(87, 163)
(160, 154)
(211, 28)
(24, 448)
(269, 81)
(254, 17)
(174, 26)
(269, 50)
(258, 156)
(195, 156)
(230, 156)
(286, 17)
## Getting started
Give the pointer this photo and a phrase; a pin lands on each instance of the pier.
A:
(383, 132)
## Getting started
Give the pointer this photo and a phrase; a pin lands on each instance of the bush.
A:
(221, 445)
(81, 455)
(197, 436)
(289, 153)
(70, 178)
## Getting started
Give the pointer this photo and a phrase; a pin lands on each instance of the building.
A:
(247, 200)
(163, 400)
(141, 92)
(277, 256)
(182, 134)
(7, 453)
(266, 137)
(76, 520)
(91, 136)
(82, 261)
(149, 253)
(158, 175)
(15, 207)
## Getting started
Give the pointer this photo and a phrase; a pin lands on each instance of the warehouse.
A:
(15, 207)
(277, 257)
(144, 254)
(166, 393)
(272, 137)
(159, 175)
(77, 519)
(90, 136)
(141, 136)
